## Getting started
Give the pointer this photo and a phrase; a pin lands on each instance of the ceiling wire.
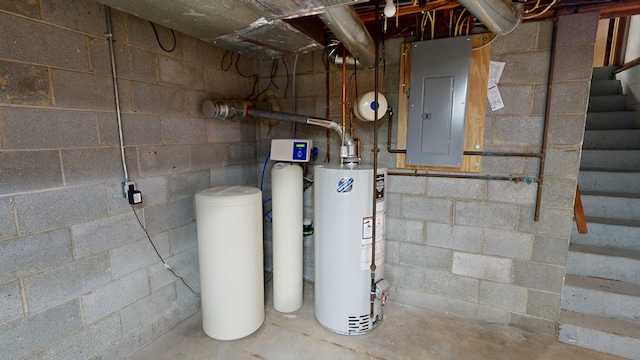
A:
(158, 38)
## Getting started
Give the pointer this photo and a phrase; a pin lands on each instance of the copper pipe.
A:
(344, 91)
(496, 153)
(389, 149)
(466, 176)
(374, 199)
(547, 111)
(328, 107)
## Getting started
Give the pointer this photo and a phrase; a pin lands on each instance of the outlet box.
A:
(125, 188)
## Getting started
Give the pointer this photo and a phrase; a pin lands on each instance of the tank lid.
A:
(229, 191)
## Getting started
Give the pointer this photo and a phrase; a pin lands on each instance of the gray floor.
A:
(405, 333)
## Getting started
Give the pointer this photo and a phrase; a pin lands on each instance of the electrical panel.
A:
(437, 101)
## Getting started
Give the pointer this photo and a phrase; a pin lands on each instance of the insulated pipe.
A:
(346, 25)
(233, 111)
(499, 16)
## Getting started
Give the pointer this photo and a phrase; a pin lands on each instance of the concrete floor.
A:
(405, 333)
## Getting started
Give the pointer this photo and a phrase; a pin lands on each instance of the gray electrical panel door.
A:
(438, 101)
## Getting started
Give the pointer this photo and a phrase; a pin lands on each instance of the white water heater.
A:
(343, 211)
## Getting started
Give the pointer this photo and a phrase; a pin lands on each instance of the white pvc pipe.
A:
(286, 198)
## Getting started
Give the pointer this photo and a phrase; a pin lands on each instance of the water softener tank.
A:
(343, 211)
(229, 229)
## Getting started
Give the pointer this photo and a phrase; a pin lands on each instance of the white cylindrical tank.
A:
(343, 214)
(230, 252)
(286, 199)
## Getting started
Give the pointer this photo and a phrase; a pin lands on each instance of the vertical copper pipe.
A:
(327, 78)
(547, 112)
(372, 267)
(344, 93)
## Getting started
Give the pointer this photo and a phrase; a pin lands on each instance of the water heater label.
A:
(345, 185)
(380, 186)
(366, 245)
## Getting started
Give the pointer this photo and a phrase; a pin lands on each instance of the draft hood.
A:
(253, 28)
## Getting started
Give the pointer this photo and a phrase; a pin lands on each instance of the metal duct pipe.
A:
(500, 16)
(346, 25)
(233, 111)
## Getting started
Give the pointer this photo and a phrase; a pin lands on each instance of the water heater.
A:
(343, 211)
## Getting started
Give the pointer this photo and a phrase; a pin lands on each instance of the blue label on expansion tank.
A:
(345, 185)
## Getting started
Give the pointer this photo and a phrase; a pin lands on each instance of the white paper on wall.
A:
(493, 93)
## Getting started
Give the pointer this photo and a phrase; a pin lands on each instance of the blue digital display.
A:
(300, 151)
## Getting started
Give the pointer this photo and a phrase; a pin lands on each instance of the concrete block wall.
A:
(630, 77)
(78, 276)
(471, 247)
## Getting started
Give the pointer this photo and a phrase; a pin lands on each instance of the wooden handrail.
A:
(628, 65)
(578, 213)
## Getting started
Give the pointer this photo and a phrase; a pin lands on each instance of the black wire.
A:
(286, 68)
(274, 71)
(256, 77)
(226, 68)
(158, 38)
(158, 253)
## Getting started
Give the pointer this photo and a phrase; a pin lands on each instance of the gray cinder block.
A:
(503, 296)
(424, 208)
(56, 129)
(52, 209)
(538, 276)
(148, 309)
(464, 238)
(106, 233)
(158, 99)
(457, 188)
(425, 256)
(88, 343)
(486, 214)
(512, 192)
(482, 267)
(163, 159)
(169, 215)
(408, 277)
(54, 44)
(7, 226)
(176, 72)
(30, 334)
(186, 185)
(509, 244)
(90, 166)
(183, 238)
(477, 312)
(25, 171)
(25, 84)
(115, 295)
(67, 281)
(28, 254)
(10, 302)
(544, 305)
(184, 130)
(533, 324)
(451, 286)
(407, 185)
(132, 256)
(411, 231)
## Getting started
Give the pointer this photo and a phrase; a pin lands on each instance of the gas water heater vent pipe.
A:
(499, 16)
(224, 110)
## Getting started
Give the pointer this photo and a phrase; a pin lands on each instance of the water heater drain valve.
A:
(382, 290)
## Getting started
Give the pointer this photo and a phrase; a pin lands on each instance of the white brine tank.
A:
(343, 211)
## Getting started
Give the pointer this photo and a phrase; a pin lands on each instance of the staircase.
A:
(601, 296)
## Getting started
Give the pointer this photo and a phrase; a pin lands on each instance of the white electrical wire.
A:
(540, 13)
